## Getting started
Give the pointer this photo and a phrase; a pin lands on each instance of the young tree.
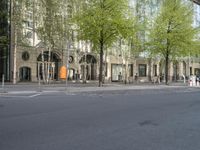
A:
(172, 34)
(4, 41)
(52, 28)
(16, 36)
(102, 22)
(3, 19)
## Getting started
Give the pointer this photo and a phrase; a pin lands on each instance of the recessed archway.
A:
(48, 64)
(88, 67)
(25, 74)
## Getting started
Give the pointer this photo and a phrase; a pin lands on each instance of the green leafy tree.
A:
(49, 21)
(16, 21)
(172, 34)
(102, 22)
(3, 19)
(53, 26)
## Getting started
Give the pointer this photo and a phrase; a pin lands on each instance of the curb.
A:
(93, 89)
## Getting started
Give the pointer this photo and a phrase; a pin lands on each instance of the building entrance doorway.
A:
(48, 64)
(88, 65)
(25, 74)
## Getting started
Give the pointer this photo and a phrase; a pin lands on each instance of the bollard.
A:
(3, 81)
(39, 85)
(3, 84)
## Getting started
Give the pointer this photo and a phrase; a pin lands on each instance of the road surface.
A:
(113, 120)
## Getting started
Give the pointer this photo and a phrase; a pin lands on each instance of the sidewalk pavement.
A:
(34, 87)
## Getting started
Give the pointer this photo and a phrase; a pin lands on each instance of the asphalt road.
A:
(117, 120)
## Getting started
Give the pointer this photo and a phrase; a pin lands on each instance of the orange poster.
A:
(63, 72)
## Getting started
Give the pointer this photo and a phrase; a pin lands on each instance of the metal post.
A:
(3, 82)
(85, 63)
(67, 64)
(85, 68)
(39, 84)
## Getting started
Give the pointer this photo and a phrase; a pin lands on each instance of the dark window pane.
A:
(142, 70)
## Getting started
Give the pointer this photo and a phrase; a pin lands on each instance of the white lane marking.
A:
(14, 96)
(51, 91)
(38, 94)
(22, 92)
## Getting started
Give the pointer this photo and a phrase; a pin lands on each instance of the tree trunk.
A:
(85, 69)
(167, 53)
(48, 65)
(126, 72)
(166, 67)
(14, 39)
(101, 64)
(43, 66)
(15, 57)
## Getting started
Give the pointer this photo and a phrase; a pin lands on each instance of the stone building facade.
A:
(84, 63)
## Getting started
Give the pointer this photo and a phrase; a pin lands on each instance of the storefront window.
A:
(190, 70)
(130, 70)
(155, 70)
(105, 68)
(142, 70)
(197, 71)
(117, 72)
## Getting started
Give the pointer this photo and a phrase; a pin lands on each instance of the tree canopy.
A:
(102, 22)
(172, 34)
(51, 18)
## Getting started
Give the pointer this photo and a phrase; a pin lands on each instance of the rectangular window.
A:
(197, 71)
(105, 68)
(116, 71)
(130, 70)
(155, 70)
(142, 70)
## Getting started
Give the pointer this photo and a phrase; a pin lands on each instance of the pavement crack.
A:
(148, 123)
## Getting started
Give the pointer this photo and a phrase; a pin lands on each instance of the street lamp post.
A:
(3, 82)
(67, 63)
(85, 64)
(77, 60)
